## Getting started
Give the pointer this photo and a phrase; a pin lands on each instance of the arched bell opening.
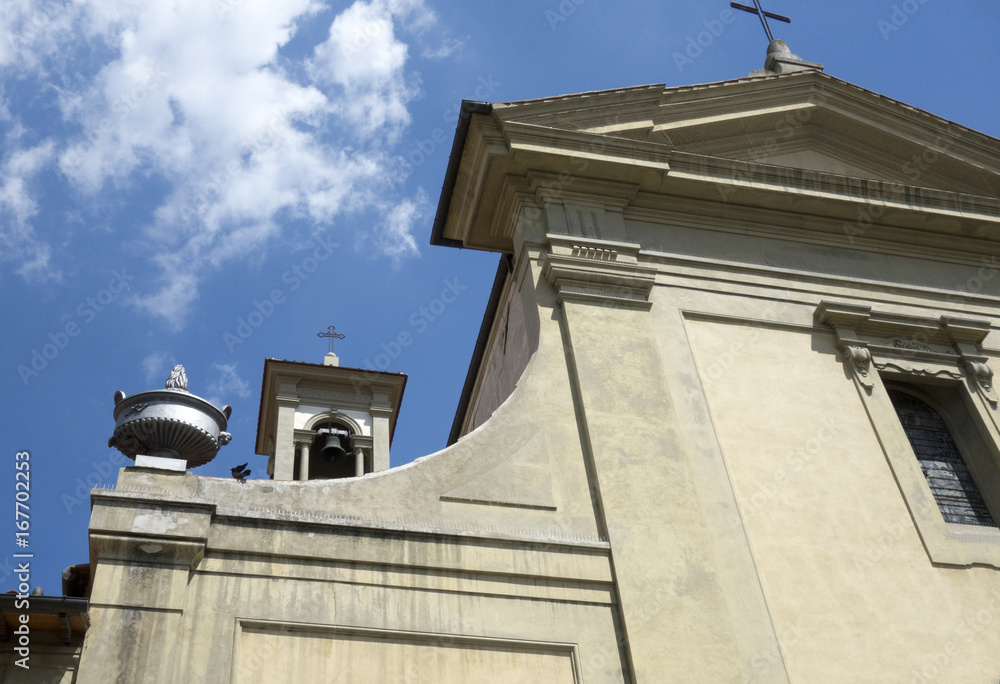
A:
(330, 454)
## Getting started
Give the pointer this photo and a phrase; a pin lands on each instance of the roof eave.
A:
(468, 109)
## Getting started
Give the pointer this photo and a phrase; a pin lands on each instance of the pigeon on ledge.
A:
(240, 472)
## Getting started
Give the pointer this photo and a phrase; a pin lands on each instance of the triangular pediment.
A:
(806, 120)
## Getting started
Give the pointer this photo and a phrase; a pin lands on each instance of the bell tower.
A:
(326, 421)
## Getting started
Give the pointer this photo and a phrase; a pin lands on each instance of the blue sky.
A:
(167, 167)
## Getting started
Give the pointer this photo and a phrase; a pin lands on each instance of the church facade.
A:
(731, 418)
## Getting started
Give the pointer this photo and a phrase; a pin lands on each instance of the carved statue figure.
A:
(178, 379)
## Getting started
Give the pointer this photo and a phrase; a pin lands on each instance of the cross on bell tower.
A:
(331, 332)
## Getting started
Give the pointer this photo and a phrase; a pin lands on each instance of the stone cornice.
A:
(707, 115)
(871, 209)
(553, 187)
(560, 104)
(551, 142)
(757, 179)
(575, 136)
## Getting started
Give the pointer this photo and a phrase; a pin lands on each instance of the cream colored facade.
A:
(677, 459)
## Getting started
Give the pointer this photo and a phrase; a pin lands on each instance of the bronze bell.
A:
(329, 445)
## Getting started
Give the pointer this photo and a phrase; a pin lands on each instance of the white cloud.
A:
(447, 48)
(31, 30)
(18, 241)
(365, 60)
(396, 235)
(196, 95)
(227, 385)
(156, 368)
(178, 289)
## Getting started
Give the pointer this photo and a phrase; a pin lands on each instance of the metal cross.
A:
(332, 333)
(764, 16)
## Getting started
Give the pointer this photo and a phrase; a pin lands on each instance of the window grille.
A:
(951, 483)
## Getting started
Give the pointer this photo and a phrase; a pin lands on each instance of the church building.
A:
(730, 418)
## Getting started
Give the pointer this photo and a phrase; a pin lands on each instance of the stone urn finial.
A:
(170, 423)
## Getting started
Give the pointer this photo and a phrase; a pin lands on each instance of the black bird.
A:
(240, 472)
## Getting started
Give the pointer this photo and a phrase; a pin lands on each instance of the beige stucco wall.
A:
(508, 349)
(846, 578)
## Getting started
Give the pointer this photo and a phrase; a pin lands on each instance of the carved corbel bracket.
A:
(843, 318)
(982, 376)
(859, 360)
(967, 336)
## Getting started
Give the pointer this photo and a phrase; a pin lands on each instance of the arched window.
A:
(326, 461)
(951, 483)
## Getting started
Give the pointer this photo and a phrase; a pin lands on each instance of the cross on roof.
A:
(332, 333)
(764, 16)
